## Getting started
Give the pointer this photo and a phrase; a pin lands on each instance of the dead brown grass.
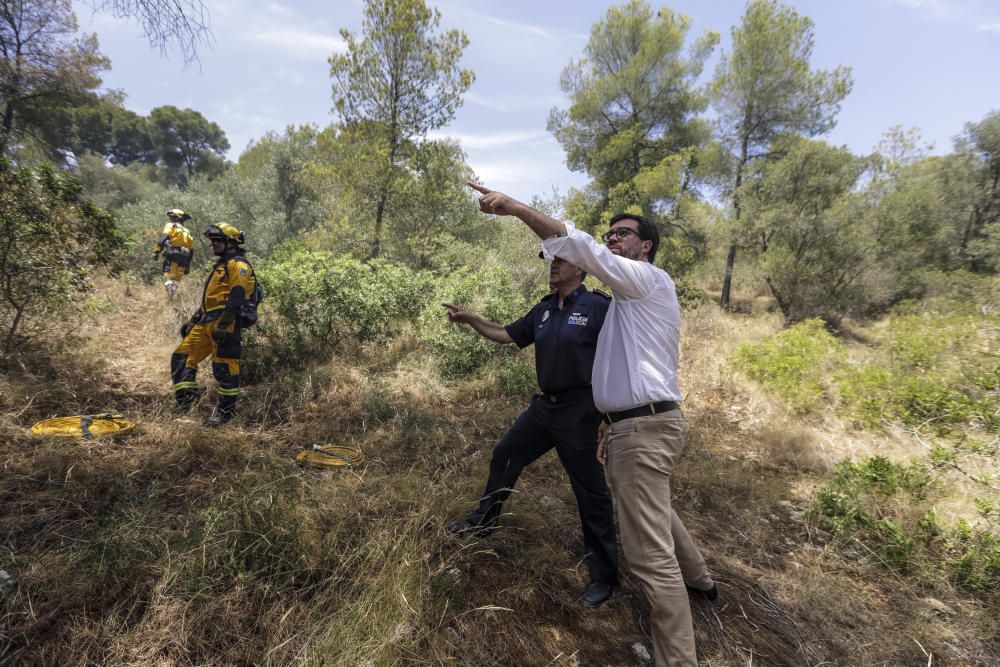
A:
(178, 545)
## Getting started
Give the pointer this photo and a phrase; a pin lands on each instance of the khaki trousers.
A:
(660, 553)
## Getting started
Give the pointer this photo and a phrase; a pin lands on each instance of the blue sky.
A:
(930, 64)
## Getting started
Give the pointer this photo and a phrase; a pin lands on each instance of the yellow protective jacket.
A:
(228, 286)
(176, 235)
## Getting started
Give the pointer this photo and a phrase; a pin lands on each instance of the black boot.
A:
(186, 400)
(219, 418)
(468, 527)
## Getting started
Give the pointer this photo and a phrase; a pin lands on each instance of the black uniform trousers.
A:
(570, 426)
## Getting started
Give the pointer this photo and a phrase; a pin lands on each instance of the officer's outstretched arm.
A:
(490, 330)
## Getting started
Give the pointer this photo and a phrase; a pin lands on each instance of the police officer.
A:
(564, 327)
(215, 328)
(177, 246)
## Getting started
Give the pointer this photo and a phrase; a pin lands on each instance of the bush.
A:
(689, 296)
(489, 292)
(941, 372)
(794, 363)
(875, 394)
(318, 302)
(52, 238)
(868, 501)
(972, 556)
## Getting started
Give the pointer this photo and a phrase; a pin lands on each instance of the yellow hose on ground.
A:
(84, 426)
(331, 456)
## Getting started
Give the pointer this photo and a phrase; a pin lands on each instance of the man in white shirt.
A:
(635, 385)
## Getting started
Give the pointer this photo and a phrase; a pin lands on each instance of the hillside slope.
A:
(175, 544)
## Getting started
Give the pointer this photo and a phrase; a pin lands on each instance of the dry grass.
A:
(178, 545)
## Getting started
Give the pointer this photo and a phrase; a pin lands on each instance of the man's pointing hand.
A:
(457, 313)
(494, 202)
(498, 203)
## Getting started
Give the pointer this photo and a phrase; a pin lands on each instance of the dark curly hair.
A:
(647, 231)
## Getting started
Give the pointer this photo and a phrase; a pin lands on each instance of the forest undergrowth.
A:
(175, 544)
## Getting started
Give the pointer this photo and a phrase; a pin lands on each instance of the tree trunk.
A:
(379, 211)
(6, 127)
(9, 341)
(783, 305)
(384, 193)
(727, 280)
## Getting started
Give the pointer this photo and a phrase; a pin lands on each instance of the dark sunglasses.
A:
(619, 234)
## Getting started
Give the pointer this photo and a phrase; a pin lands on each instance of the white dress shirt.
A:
(637, 350)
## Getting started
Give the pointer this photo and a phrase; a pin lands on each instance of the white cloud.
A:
(246, 123)
(473, 21)
(485, 102)
(979, 12)
(527, 28)
(947, 9)
(523, 178)
(478, 18)
(294, 76)
(274, 26)
(522, 164)
(498, 140)
(518, 101)
(300, 42)
(281, 10)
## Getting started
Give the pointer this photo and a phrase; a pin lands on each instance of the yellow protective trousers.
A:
(173, 271)
(195, 347)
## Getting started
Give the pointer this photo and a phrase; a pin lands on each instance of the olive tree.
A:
(51, 240)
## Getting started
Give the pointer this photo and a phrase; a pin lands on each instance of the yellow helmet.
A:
(177, 215)
(226, 232)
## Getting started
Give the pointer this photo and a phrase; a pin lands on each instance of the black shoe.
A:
(596, 593)
(469, 528)
(712, 594)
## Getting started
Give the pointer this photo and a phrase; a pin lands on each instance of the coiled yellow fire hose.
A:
(330, 456)
(83, 426)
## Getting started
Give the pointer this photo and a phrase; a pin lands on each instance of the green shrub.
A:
(973, 556)
(318, 302)
(53, 238)
(690, 296)
(940, 373)
(489, 292)
(868, 502)
(863, 392)
(881, 476)
(926, 340)
(956, 291)
(517, 376)
(793, 363)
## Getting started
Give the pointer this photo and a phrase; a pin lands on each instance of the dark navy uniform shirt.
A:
(565, 340)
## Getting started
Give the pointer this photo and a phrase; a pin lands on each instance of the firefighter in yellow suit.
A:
(215, 328)
(177, 246)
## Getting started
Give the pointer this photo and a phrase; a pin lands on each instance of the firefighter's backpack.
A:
(248, 311)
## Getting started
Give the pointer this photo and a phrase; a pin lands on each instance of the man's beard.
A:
(635, 252)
